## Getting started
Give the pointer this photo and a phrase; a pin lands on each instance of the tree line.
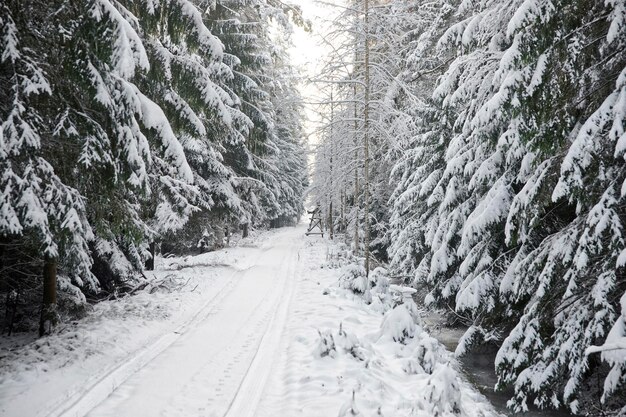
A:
(131, 122)
(478, 148)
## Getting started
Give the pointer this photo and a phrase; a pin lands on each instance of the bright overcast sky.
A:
(308, 53)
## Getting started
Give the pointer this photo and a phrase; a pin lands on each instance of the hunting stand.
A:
(316, 221)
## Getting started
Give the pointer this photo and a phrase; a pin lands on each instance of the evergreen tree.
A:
(119, 124)
(509, 236)
(41, 216)
(508, 174)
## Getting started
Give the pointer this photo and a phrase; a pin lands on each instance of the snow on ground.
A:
(38, 377)
(262, 329)
(383, 376)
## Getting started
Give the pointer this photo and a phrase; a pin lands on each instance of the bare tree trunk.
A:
(356, 174)
(332, 149)
(343, 211)
(49, 316)
(244, 233)
(366, 144)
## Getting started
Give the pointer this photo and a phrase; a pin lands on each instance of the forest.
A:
(127, 124)
(473, 150)
(478, 150)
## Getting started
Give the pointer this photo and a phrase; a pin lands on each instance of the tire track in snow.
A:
(221, 376)
(249, 393)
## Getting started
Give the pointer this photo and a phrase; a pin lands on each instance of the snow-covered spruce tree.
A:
(239, 26)
(291, 160)
(116, 124)
(267, 188)
(286, 175)
(128, 62)
(513, 231)
(222, 19)
(473, 188)
(403, 35)
(42, 219)
(571, 281)
(105, 133)
(187, 79)
(421, 130)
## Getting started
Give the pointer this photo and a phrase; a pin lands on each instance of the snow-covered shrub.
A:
(337, 256)
(404, 295)
(331, 343)
(380, 277)
(443, 394)
(381, 303)
(349, 343)
(427, 353)
(326, 345)
(353, 278)
(398, 324)
(381, 297)
(112, 265)
(207, 241)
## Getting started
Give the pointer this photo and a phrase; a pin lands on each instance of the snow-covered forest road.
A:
(237, 337)
(218, 365)
(212, 360)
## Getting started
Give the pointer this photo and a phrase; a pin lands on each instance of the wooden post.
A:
(49, 316)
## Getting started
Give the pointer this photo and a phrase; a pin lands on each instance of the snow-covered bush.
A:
(398, 324)
(443, 393)
(349, 343)
(353, 278)
(404, 295)
(428, 352)
(326, 345)
(332, 343)
(382, 298)
(380, 277)
(337, 256)
(207, 241)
